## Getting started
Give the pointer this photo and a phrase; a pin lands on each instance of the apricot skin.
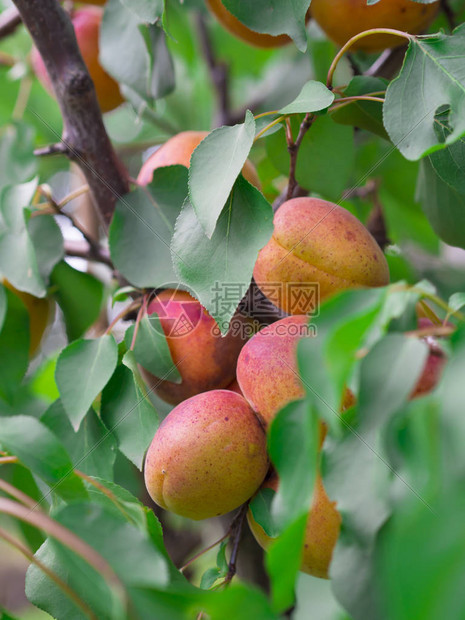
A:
(86, 22)
(177, 151)
(238, 29)
(343, 19)
(321, 532)
(317, 242)
(267, 371)
(207, 457)
(205, 359)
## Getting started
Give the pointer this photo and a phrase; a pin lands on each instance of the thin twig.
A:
(10, 19)
(59, 148)
(293, 148)
(17, 494)
(203, 551)
(4, 460)
(219, 73)
(132, 306)
(235, 537)
(80, 249)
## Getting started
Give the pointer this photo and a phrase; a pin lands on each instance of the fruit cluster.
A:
(209, 454)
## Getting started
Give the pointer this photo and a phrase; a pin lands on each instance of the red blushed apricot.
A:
(207, 457)
(321, 532)
(318, 246)
(205, 359)
(343, 19)
(177, 151)
(267, 370)
(86, 22)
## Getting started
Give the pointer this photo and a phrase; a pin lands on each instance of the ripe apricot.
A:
(86, 22)
(321, 532)
(317, 245)
(238, 29)
(206, 360)
(207, 457)
(267, 370)
(177, 151)
(343, 19)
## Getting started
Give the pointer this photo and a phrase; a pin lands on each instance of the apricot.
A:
(86, 22)
(177, 151)
(434, 365)
(321, 532)
(207, 457)
(317, 249)
(267, 370)
(205, 359)
(343, 19)
(241, 31)
(40, 312)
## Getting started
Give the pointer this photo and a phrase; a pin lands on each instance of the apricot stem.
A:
(357, 37)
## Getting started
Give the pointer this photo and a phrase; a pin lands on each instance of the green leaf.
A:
(130, 551)
(363, 114)
(215, 166)
(82, 578)
(293, 439)
(425, 550)
(283, 561)
(284, 17)
(129, 415)
(206, 265)
(141, 229)
(313, 97)
(79, 296)
(431, 77)
(47, 240)
(18, 260)
(147, 10)
(162, 79)
(260, 507)
(209, 577)
(443, 205)
(456, 301)
(449, 163)
(83, 369)
(42, 452)
(17, 161)
(14, 343)
(3, 305)
(151, 348)
(92, 448)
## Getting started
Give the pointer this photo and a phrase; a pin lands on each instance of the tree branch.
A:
(84, 134)
(219, 74)
(81, 249)
(10, 19)
(293, 148)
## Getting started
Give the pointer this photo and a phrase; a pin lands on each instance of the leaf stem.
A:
(345, 48)
(140, 315)
(132, 306)
(8, 459)
(269, 126)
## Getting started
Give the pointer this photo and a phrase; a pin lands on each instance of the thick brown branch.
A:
(9, 21)
(84, 134)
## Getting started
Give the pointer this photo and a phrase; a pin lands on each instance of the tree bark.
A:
(84, 137)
